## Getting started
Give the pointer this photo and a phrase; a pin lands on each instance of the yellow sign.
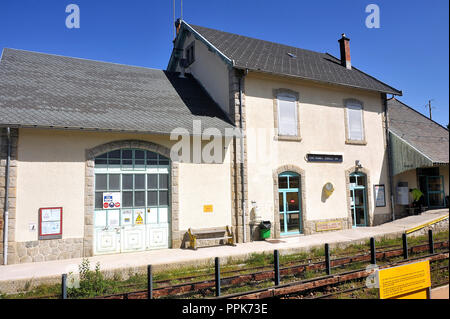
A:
(139, 220)
(330, 225)
(410, 281)
(207, 208)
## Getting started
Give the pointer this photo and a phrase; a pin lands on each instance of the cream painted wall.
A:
(322, 128)
(210, 71)
(51, 172)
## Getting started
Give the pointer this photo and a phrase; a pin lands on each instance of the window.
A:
(355, 126)
(287, 115)
(142, 178)
(190, 54)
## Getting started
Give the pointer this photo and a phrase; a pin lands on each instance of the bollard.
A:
(64, 286)
(373, 254)
(276, 265)
(327, 259)
(405, 246)
(149, 282)
(217, 275)
(431, 241)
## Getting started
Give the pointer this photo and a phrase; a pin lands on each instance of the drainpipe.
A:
(6, 214)
(242, 158)
(388, 146)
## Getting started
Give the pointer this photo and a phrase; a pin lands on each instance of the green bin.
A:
(264, 229)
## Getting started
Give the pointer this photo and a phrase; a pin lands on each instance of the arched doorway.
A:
(290, 214)
(132, 206)
(358, 199)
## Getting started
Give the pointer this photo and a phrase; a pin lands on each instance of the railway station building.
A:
(94, 157)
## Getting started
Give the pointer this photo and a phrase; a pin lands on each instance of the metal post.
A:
(217, 276)
(149, 282)
(276, 265)
(64, 286)
(405, 246)
(327, 259)
(373, 254)
(431, 241)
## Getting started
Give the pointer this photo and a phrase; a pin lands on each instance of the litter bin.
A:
(264, 229)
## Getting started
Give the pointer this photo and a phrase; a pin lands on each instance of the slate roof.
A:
(264, 56)
(43, 90)
(427, 136)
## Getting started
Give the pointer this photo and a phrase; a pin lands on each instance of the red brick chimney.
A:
(344, 43)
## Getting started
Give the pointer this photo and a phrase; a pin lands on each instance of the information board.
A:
(410, 281)
(380, 196)
(50, 223)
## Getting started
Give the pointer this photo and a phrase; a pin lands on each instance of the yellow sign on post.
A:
(410, 281)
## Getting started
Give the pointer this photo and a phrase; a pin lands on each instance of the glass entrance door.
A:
(289, 201)
(433, 189)
(358, 199)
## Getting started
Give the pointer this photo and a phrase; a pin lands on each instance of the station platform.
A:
(14, 277)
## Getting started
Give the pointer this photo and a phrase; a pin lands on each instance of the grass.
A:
(136, 282)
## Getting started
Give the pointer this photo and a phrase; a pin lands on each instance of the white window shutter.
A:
(355, 122)
(287, 116)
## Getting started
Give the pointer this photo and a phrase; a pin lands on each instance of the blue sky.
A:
(410, 50)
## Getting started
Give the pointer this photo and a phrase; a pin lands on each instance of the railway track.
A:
(164, 288)
(292, 290)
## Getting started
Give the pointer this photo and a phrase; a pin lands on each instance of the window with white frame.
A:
(287, 115)
(355, 123)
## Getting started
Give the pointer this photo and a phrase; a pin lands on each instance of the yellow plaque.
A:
(410, 281)
(330, 225)
(207, 208)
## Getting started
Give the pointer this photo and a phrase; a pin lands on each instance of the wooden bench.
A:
(197, 236)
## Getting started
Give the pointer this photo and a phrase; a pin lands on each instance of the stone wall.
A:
(235, 172)
(11, 191)
(45, 250)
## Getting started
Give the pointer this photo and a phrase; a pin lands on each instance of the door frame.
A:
(276, 214)
(427, 193)
(352, 193)
(284, 191)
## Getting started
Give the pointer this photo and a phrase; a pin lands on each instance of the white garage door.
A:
(132, 211)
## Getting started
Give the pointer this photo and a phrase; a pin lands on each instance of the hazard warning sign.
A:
(139, 220)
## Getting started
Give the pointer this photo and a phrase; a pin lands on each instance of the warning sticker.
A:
(139, 220)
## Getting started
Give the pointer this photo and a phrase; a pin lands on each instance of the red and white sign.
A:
(111, 200)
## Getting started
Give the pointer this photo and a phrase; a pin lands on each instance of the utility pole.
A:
(429, 108)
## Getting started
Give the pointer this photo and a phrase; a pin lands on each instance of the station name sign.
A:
(324, 158)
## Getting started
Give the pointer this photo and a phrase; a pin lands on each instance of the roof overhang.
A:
(406, 157)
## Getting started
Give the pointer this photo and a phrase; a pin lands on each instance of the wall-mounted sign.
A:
(50, 223)
(324, 158)
(328, 225)
(380, 196)
(207, 208)
(111, 200)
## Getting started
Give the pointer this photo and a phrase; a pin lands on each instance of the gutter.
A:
(6, 208)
